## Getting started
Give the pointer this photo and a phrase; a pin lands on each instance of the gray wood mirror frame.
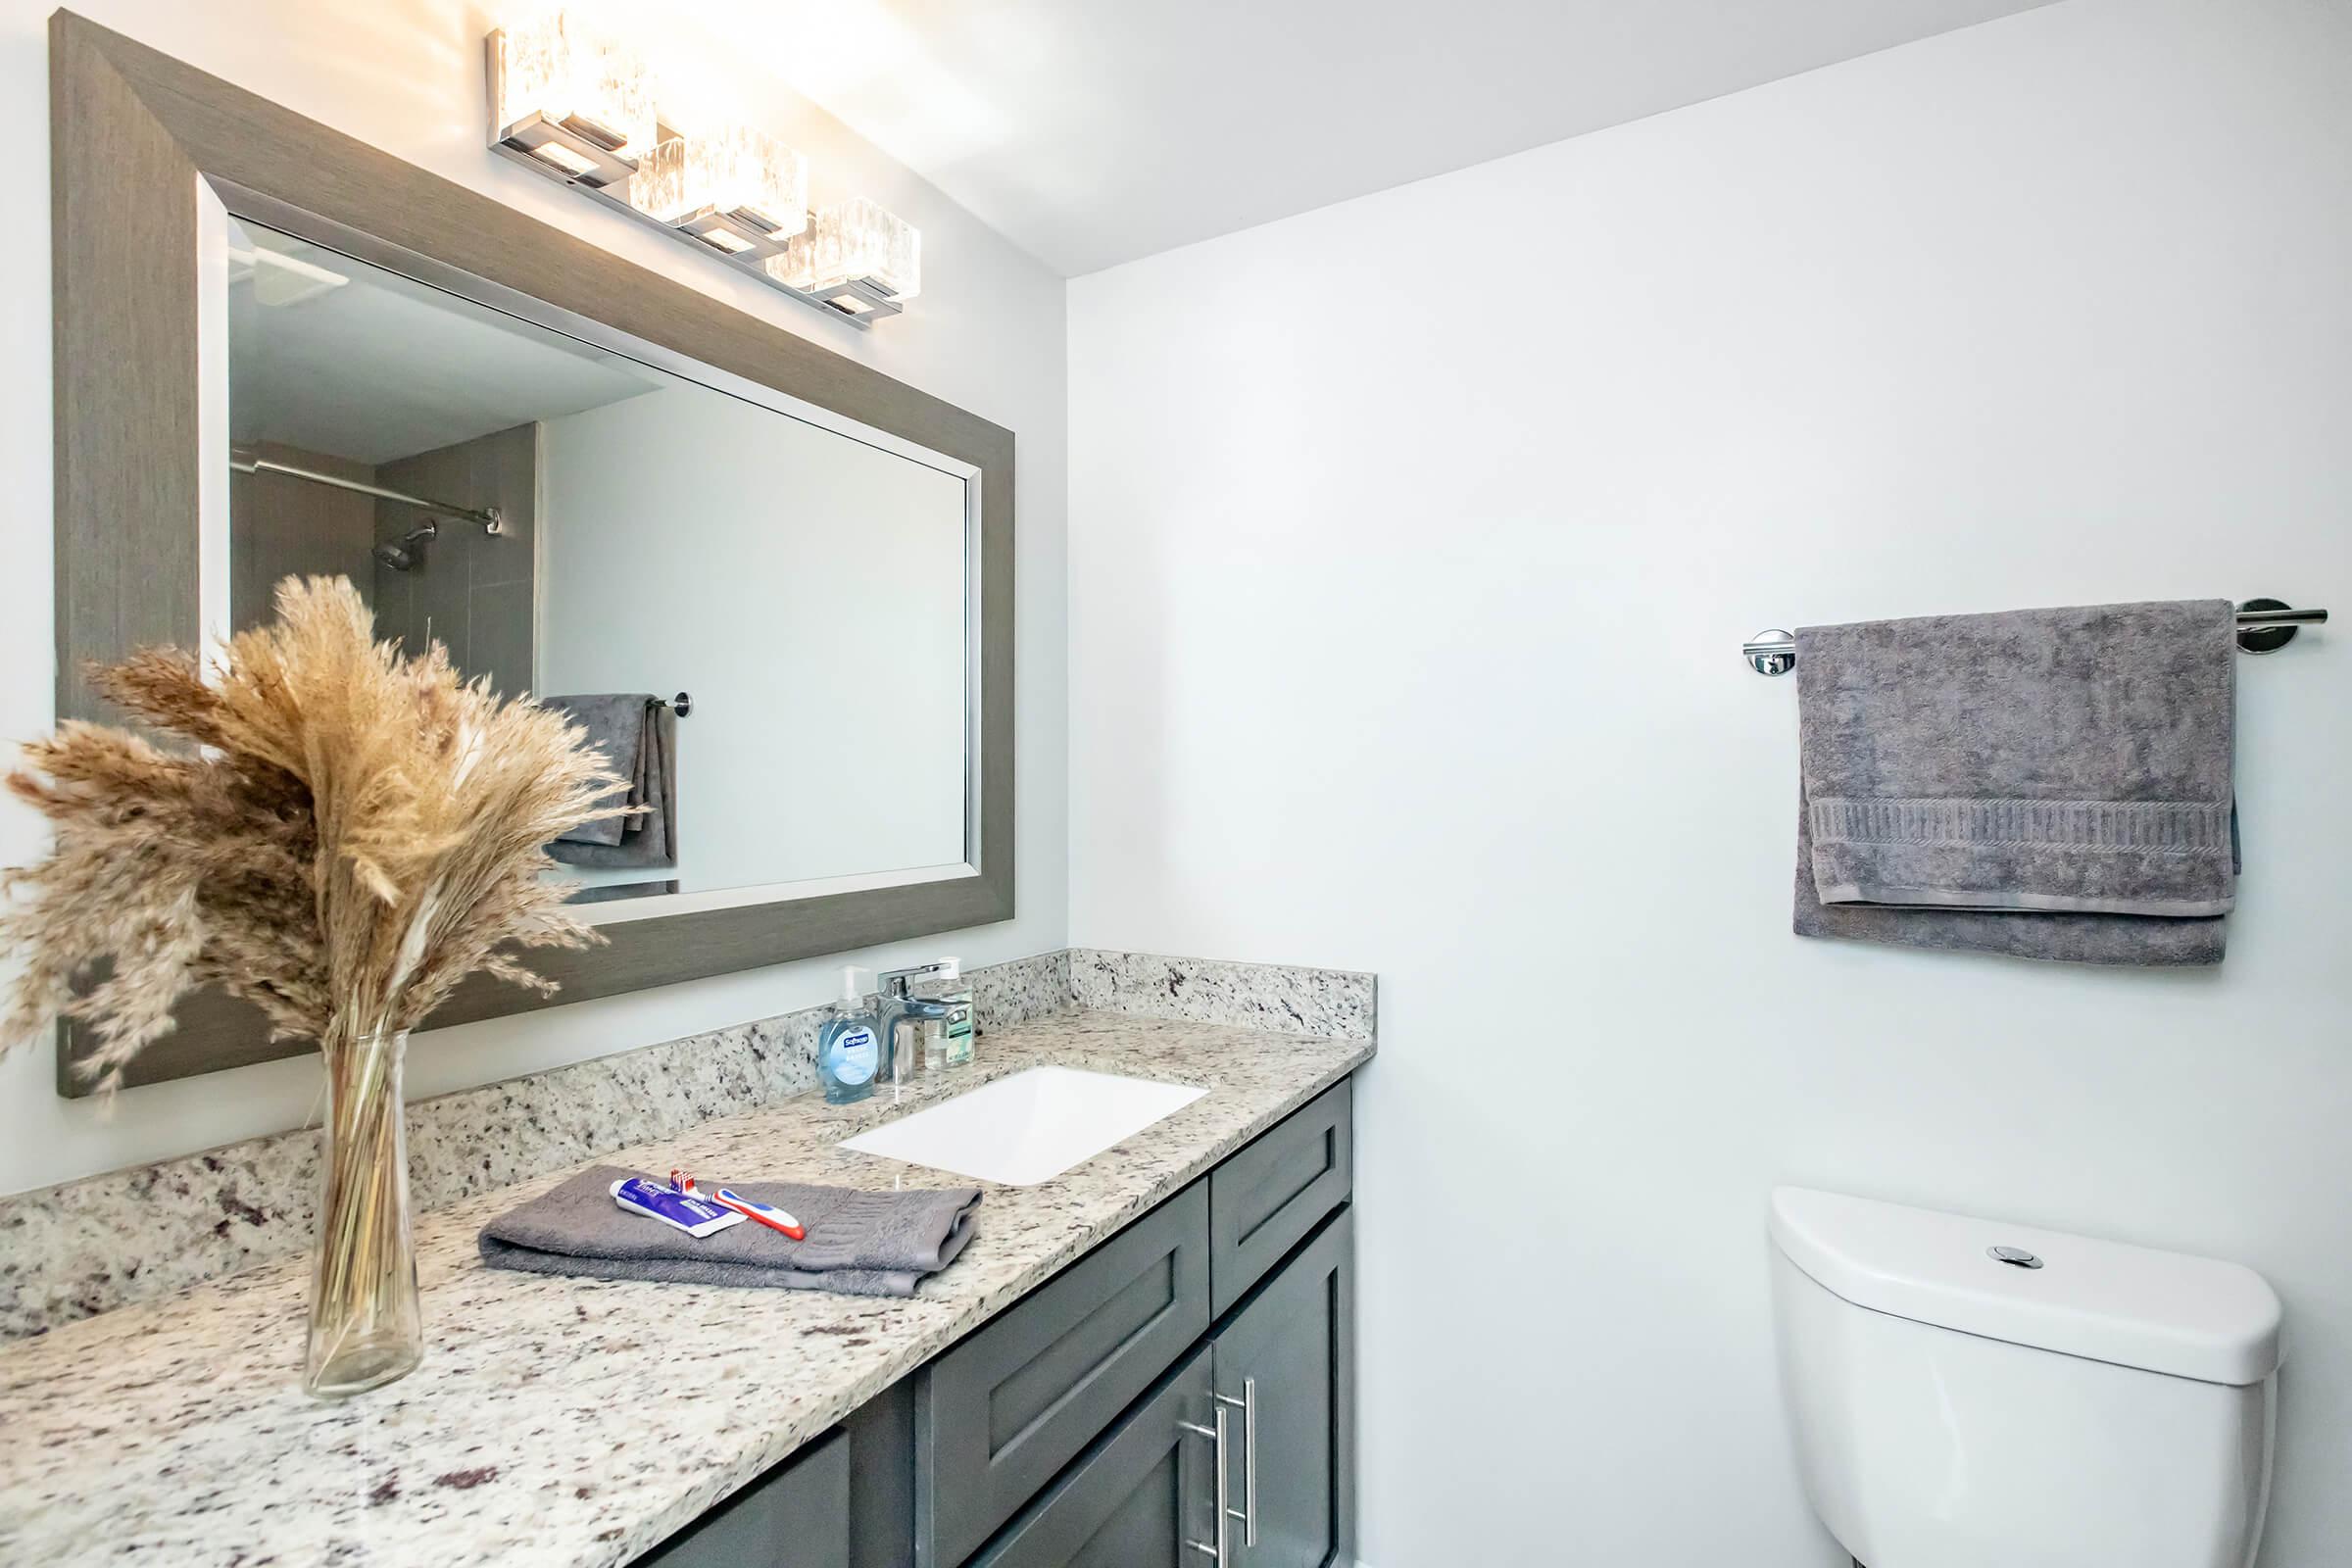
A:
(140, 145)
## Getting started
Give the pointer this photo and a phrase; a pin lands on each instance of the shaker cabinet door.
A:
(1137, 1499)
(1003, 1413)
(1283, 1367)
(796, 1516)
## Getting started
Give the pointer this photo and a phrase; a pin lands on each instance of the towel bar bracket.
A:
(2264, 637)
(2263, 626)
(1770, 652)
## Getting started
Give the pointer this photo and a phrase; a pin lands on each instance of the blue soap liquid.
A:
(848, 1051)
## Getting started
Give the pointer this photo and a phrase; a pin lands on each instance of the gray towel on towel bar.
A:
(2045, 783)
(638, 734)
(858, 1243)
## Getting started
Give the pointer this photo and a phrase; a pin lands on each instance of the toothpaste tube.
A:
(697, 1217)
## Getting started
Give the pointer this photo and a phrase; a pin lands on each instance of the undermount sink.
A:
(1028, 1128)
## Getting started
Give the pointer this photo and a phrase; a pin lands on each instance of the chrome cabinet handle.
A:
(1248, 1406)
(1216, 1435)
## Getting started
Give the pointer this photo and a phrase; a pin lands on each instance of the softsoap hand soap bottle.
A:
(849, 1049)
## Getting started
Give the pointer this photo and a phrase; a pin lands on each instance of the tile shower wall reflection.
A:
(468, 590)
(281, 526)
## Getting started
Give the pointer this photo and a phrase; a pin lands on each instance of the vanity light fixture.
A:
(583, 108)
(857, 258)
(739, 191)
(567, 98)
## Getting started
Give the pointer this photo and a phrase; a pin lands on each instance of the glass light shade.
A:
(737, 169)
(577, 78)
(853, 241)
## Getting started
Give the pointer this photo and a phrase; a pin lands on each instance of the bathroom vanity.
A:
(1197, 1366)
(1050, 1398)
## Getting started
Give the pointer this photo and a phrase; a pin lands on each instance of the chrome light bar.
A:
(577, 151)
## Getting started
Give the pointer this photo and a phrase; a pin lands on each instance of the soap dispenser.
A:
(848, 1046)
(955, 1030)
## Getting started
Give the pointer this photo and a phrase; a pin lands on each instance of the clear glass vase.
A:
(366, 1324)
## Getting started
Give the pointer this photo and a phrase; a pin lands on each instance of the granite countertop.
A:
(573, 1422)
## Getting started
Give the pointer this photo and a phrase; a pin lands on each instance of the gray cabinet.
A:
(1000, 1414)
(1145, 1494)
(1284, 1366)
(1137, 1499)
(797, 1516)
(1075, 1430)
(1265, 1198)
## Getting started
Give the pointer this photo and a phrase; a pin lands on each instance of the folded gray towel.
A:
(858, 1243)
(2145, 941)
(638, 734)
(2046, 783)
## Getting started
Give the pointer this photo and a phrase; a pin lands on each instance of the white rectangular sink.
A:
(1028, 1128)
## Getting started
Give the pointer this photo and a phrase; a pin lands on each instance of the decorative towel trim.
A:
(2138, 827)
(1896, 895)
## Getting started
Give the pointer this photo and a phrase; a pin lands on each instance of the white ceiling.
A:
(1094, 131)
(377, 366)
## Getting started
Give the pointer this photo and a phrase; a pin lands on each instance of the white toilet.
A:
(1971, 1395)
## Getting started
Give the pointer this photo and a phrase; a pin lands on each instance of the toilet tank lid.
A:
(2192, 1317)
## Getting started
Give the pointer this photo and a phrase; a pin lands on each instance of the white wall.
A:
(809, 597)
(986, 334)
(1412, 543)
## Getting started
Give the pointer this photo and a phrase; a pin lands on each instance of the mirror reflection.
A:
(575, 523)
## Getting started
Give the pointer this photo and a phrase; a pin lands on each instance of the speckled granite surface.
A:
(540, 1429)
(1005, 994)
(1282, 998)
(139, 1234)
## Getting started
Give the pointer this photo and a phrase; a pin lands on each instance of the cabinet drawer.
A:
(1137, 1497)
(796, 1516)
(996, 1416)
(1264, 1200)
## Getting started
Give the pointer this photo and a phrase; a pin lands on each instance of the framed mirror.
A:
(773, 585)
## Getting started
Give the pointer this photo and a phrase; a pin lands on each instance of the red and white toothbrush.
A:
(775, 1219)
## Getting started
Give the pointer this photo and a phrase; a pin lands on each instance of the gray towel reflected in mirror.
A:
(639, 734)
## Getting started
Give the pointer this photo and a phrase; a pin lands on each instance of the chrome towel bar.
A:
(2263, 626)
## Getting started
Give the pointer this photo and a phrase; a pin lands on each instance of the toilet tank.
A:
(1964, 1392)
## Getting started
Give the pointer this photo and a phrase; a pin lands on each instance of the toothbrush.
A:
(775, 1219)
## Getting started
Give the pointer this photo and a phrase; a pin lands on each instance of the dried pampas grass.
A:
(350, 835)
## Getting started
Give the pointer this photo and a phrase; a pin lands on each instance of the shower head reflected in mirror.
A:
(405, 556)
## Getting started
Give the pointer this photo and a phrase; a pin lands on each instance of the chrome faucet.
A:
(899, 1016)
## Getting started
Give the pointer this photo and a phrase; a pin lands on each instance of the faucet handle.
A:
(901, 982)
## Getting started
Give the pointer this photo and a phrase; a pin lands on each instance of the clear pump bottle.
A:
(849, 1049)
(954, 1032)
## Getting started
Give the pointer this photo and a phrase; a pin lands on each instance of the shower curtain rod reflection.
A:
(245, 462)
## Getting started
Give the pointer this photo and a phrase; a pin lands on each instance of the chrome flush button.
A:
(2014, 1257)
